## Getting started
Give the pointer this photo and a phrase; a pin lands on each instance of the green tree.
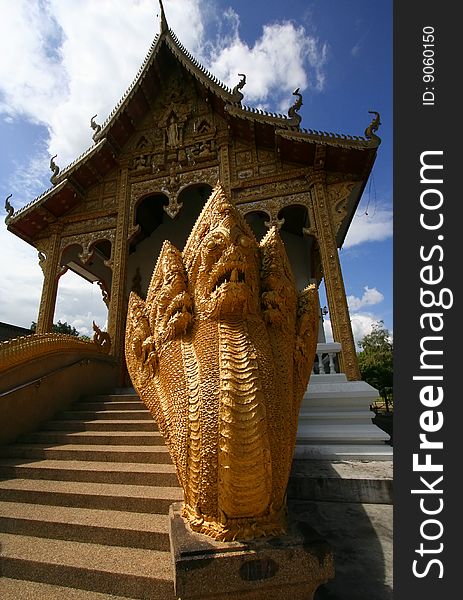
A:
(59, 328)
(376, 361)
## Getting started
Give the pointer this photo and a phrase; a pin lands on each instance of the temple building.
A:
(175, 133)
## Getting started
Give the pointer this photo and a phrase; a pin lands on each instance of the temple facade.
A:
(153, 163)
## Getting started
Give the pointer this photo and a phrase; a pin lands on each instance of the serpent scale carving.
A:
(221, 352)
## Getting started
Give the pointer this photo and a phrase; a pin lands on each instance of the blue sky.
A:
(68, 68)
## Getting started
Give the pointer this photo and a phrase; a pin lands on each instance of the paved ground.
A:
(361, 538)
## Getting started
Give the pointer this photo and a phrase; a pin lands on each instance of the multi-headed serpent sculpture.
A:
(221, 352)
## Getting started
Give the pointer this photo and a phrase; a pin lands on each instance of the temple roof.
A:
(89, 168)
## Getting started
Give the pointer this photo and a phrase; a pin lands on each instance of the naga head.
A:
(169, 301)
(222, 260)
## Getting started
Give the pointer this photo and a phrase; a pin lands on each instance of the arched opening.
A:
(84, 287)
(156, 226)
(256, 221)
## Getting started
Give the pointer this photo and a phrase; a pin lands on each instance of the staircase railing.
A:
(326, 359)
(42, 374)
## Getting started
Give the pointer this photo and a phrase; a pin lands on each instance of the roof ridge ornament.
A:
(373, 126)
(9, 208)
(237, 95)
(164, 26)
(96, 128)
(293, 114)
(54, 167)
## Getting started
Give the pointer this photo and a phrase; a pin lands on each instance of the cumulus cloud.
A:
(33, 77)
(361, 323)
(283, 58)
(370, 228)
(370, 296)
(21, 281)
(79, 303)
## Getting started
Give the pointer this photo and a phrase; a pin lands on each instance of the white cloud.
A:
(79, 303)
(361, 323)
(21, 281)
(284, 58)
(370, 296)
(370, 228)
(33, 79)
(27, 179)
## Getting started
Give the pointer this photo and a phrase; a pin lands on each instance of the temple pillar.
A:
(51, 273)
(118, 303)
(224, 161)
(335, 291)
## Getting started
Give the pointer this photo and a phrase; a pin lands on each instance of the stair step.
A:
(150, 438)
(89, 452)
(100, 425)
(131, 572)
(97, 472)
(112, 528)
(109, 405)
(110, 398)
(20, 589)
(347, 434)
(106, 496)
(105, 415)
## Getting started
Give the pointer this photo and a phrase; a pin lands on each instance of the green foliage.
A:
(376, 361)
(59, 328)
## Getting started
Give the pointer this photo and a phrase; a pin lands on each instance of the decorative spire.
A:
(96, 128)
(164, 26)
(293, 114)
(237, 95)
(373, 126)
(54, 167)
(9, 208)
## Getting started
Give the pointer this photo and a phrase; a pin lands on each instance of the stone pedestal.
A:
(289, 567)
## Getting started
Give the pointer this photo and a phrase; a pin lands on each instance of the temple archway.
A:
(256, 220)
(156, 226)
(85, 284)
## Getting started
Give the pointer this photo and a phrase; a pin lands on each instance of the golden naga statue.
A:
(221, 353)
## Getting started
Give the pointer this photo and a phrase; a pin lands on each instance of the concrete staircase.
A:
(84, 505)
(335, 422)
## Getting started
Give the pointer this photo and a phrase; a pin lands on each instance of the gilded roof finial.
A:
(373, 126)
(54, 167)
(164, 26)
(293, 110)
(96, 128)
(237, 95)
(9, 209)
